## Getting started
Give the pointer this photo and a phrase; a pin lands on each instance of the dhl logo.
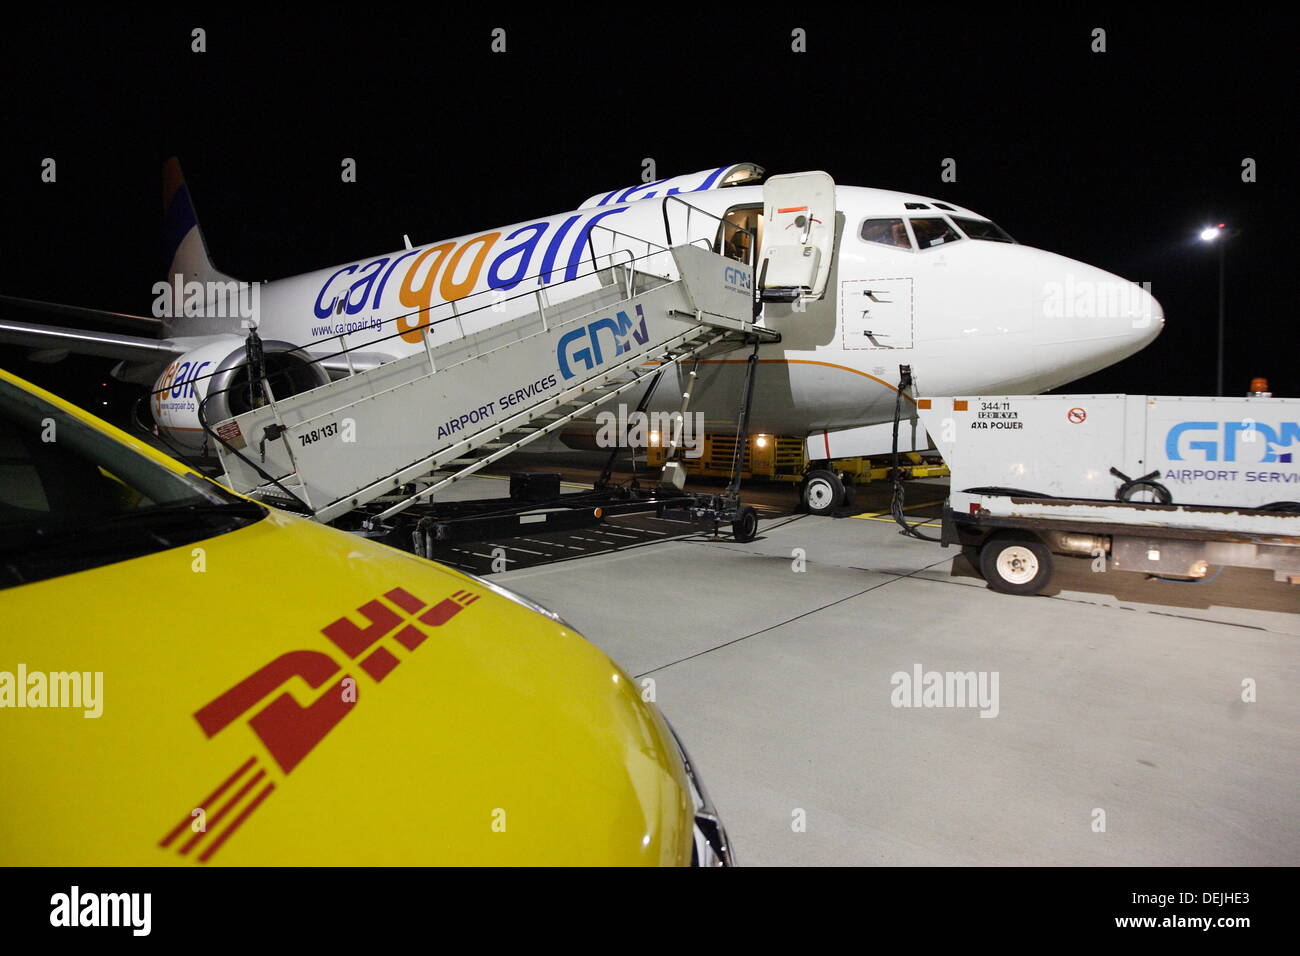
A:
(289, 731)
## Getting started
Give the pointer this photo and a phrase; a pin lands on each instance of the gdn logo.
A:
(102, 909)
(1232, 441)
(617, 329)
(737, 280)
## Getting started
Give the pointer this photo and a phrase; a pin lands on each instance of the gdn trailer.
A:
(1167, 486)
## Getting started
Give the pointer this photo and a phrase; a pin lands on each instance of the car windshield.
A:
(72, 497)
(982, 229)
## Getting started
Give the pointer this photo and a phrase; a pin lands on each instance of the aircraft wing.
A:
(130, 338)
(136, 348)
(144, 325)
(118, 335)
(54, 338)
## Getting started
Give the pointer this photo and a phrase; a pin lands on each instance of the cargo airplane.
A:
(856, 281)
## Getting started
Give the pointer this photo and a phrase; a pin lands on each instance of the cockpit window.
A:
(889, 232)
(933, 232)
(982, 229)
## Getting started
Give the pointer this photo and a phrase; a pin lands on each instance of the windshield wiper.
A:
(148, 520)
(238, 508)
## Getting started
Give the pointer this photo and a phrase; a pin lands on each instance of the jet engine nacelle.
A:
(219, 369)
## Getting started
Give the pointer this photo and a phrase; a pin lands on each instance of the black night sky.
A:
(1115, 158)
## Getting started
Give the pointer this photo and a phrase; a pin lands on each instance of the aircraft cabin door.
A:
(799, 235)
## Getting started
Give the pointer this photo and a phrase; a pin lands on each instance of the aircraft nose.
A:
(1134, 323)
(1089, 319)
(1145, 317)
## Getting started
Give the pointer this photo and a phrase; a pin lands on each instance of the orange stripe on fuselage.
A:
(842, 368)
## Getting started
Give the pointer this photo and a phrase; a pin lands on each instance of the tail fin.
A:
(186, 252)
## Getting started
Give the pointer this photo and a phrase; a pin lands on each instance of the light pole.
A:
(1218, 234)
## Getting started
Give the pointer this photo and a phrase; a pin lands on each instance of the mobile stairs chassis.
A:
(532, 509)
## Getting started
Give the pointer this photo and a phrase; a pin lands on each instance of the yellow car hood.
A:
(291, 694)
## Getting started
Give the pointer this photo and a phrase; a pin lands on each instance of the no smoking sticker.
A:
(1076, 415)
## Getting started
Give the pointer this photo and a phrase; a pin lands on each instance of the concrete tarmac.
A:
(1121, 731)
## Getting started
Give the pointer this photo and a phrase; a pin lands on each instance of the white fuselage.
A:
(969, 315)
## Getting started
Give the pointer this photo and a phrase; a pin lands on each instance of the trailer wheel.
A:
(745, 527)
(1015, 562)
(823, 492)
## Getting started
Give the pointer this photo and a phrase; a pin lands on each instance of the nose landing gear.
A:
(825, 492)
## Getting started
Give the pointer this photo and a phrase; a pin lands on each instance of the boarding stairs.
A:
(392, 436)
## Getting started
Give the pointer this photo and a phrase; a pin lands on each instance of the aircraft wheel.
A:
(823, 492)
(1015, 562)
(745, 527)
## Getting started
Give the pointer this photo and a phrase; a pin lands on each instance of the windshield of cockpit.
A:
(928, 230)
(982, 229)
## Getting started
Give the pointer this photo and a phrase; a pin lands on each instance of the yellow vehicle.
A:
(188, 677)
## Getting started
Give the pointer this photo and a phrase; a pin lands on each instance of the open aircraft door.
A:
(799, 217)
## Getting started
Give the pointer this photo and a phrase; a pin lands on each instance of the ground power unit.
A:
(1166, 485)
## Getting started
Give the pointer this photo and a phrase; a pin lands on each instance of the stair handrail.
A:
(311, 357)
(726, 223)
(541, 278)
(579, 319)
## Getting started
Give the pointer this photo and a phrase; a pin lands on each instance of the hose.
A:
(896, 501)
(1147, 482)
